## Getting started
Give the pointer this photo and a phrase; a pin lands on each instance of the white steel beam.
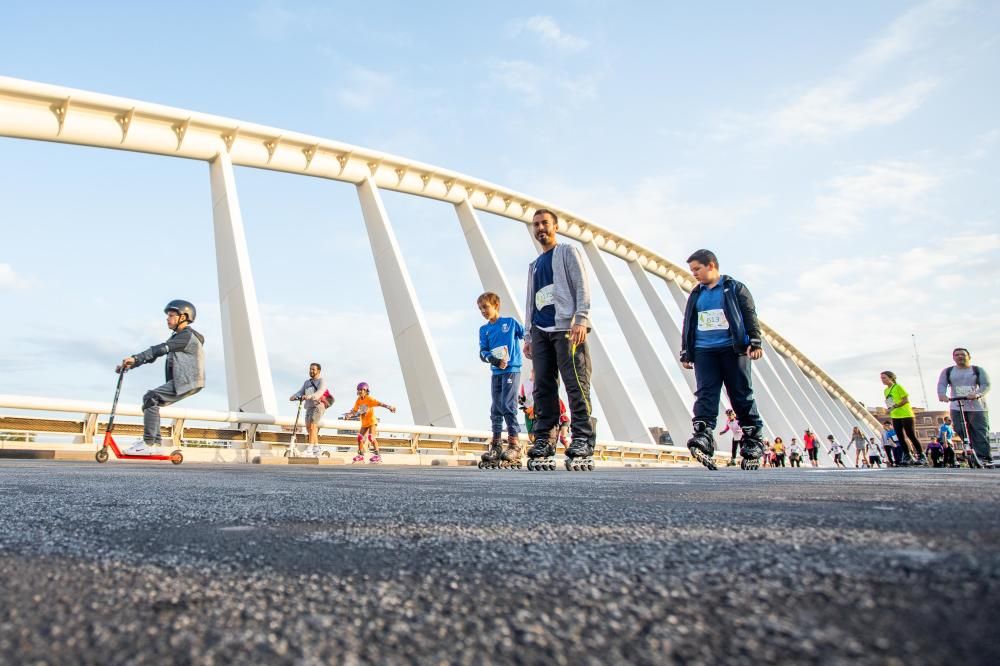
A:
(818, 417)
(491, 275)
(819, 397)
(616, 401)
(674, 410)
(249, 385)
(803, 413)
(427, 388)
(831, 403)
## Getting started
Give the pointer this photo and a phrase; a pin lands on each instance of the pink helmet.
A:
(364, 386)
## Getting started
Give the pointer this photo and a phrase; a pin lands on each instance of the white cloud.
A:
(837, 107)
(895, 187)
(546, 28)
(854, 315)
(9, 279)
(364, 88)
(535, 84)
(872, 89)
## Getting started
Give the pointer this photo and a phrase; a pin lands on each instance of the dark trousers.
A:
(979, 425)
(906, 429)
(161, 396)
(949, 456)
(715, 368)
(552, 356)
(503, 389)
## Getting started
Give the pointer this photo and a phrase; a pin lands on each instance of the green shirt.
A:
(893, 395)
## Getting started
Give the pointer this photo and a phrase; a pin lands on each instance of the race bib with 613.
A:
(545, 296)
(712, 320)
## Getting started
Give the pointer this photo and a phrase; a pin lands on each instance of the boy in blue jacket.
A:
(498, 346)
(720, 337)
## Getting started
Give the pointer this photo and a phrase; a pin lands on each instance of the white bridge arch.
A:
(793, 392)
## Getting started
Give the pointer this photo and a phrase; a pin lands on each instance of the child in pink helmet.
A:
(364, 407)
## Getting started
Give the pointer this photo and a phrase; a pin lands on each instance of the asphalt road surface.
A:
(154, 564)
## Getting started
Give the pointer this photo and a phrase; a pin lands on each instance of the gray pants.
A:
(979, 424)
(151, 403)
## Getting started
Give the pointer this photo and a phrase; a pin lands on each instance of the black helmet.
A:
(181, 307)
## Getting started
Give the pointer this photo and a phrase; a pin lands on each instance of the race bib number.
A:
(545, 296)
(962, 391)
(500, 353)
(890, 403)
(712, 320)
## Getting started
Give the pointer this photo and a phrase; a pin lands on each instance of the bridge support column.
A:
(249, 385)
(426, 386)
(674, 409)
(816, 414)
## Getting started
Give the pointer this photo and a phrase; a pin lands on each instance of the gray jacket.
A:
(570, 288)
(964, 381)
(185, 352)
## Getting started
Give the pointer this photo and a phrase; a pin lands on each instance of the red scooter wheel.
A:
(176, 457)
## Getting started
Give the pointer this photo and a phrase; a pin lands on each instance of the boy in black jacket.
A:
(721, 336)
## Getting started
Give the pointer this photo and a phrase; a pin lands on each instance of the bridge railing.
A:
(264, 431)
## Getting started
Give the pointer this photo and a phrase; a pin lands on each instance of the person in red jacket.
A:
(812, 447)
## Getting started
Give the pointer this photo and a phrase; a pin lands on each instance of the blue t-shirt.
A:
(711, 327)
(947, 433)
(541, 282)
(499, 338)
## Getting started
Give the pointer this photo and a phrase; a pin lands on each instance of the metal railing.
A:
(249, 430)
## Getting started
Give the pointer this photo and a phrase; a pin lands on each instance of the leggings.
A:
(905, 429)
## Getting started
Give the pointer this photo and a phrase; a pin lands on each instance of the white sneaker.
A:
(140, 449)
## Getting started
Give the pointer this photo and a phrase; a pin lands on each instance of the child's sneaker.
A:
(358, 459)
(375, 459)
(140, 449)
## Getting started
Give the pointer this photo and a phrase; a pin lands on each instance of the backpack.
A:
(947, 376)
(326, 399)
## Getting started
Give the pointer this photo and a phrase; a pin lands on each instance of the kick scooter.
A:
(970, 453)
(291, 452)
(176, 457)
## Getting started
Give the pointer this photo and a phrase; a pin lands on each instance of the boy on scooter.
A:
(185, 371)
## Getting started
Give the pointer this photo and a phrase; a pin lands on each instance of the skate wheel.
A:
(569, 465)
(176, 457)
(590, 467)
(326, 454)
(101, 456)
(480, 464)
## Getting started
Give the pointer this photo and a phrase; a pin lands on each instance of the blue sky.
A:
(842, 160)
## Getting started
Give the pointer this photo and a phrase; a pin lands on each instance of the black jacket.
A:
(740, 311)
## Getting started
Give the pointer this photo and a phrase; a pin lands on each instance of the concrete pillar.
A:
(427, 388)
(249, 385)
(619, 408)
(674, 409)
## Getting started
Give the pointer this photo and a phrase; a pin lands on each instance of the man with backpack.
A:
(969, 386)
(317, 398)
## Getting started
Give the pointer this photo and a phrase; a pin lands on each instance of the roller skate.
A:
(702, 444)
(375, 459)
(360, 458)
(580, 456)
(751, 448)
(541, 456)
(491, 458)
(511, 457)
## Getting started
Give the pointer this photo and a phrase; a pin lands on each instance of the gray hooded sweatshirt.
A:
(570, 289)
(185, 354)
